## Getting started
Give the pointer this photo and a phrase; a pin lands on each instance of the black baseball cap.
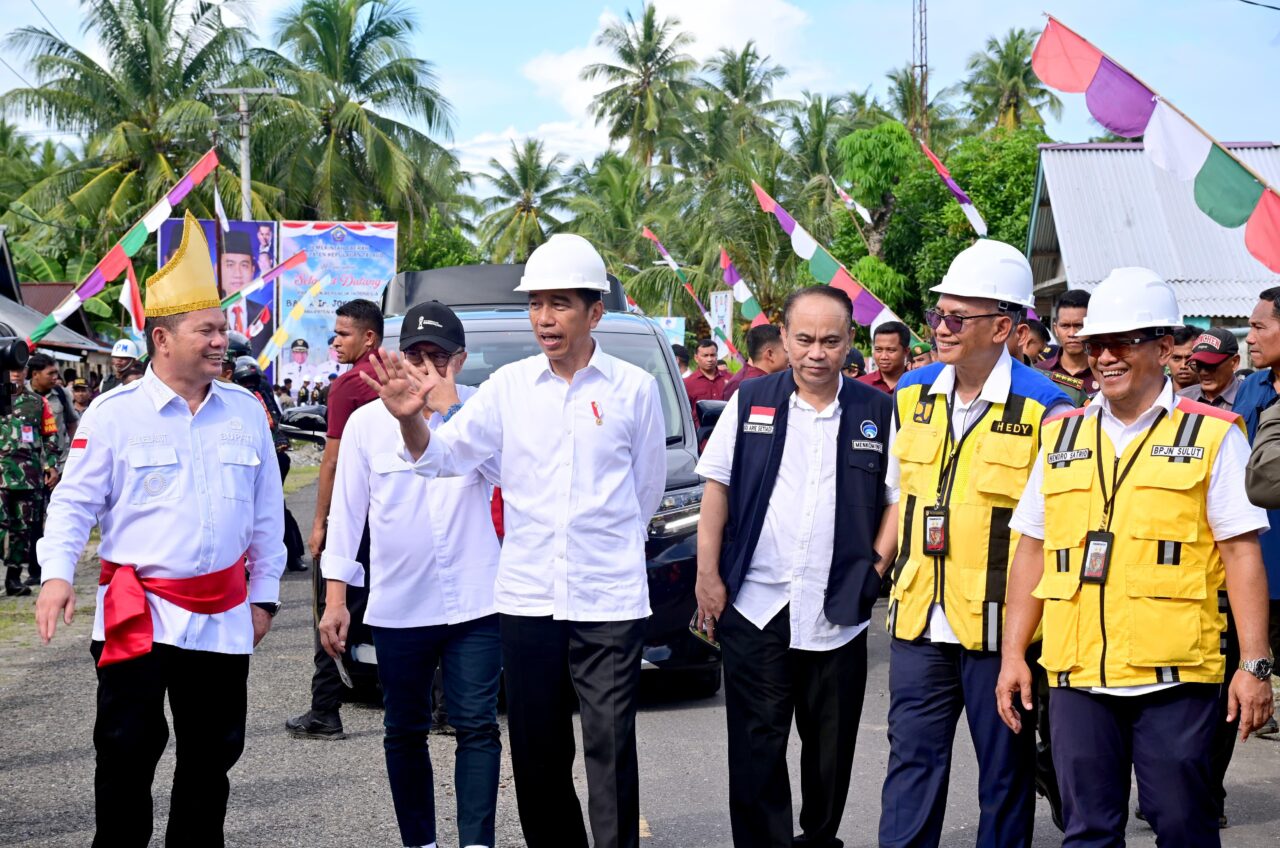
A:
(1214, 346)
(855, 357)
(432, 322)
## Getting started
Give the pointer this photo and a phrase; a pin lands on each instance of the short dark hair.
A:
(838, 295)
(681, 353)
(1037, 327)
(364, 313)
(39, 362)
(1182, 335)
(705, 343)
(895, 328)
(1272, 294)
(150, 325)
(1072, 299)
(760, 337)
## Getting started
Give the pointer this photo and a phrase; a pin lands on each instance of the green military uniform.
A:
(28, 448)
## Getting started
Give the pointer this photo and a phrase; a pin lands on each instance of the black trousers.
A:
(546, 663)
(766, 682)
(326, 683)
(207, 696)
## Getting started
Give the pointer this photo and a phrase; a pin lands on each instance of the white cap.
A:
(1131, 299)
(564, 261)
(126, 348)
(989, 269)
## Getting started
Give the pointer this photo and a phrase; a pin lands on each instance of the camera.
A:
(14, 354)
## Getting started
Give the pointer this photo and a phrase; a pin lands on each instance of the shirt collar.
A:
(832, 409)
(600, 361)
(1232, 390)
(161, 395)
(1165, 400)
(994, 390)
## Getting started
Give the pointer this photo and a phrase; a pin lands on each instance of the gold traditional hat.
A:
(186, 282)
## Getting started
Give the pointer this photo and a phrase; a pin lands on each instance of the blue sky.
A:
(510, 69)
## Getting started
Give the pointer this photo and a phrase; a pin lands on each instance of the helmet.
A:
(1131, 299)
(246, 373)
(990, 269)
(564, 261)
(237, 346)
(125, 348)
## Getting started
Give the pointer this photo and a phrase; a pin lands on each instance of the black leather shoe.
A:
(296, 565)
(13, 588)
(313, 725)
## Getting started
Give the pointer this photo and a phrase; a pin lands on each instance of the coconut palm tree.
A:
(745, 80)
(903, 105)
(519, 215)
(352, 127)
(1002, 88)
(647, 80)
(144, 110)
(611, 206)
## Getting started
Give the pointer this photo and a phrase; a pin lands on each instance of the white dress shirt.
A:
(176, 495)
(792, 560)
(963, 416)
(584, 467)
(1227, 506)
(433, 550)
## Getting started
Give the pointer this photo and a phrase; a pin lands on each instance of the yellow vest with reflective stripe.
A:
(990, 473)
(1158, 617)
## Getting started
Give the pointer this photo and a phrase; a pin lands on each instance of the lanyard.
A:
(1108, 501)
(952, 453)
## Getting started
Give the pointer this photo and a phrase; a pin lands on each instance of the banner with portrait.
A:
(240, 255)
(359, 260)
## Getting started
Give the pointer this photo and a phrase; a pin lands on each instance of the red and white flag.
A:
(131, 300)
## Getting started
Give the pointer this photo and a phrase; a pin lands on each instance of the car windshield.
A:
(488, 351)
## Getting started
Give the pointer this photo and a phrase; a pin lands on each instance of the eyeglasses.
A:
(1197, 365)
(439, 359)
(1120, 348)
(955, 323)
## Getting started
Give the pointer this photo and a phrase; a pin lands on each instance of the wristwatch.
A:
(274, 609)
(1260, 668)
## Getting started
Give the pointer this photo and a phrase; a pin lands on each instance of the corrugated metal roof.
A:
(1109, 206)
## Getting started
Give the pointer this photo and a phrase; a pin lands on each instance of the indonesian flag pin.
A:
(595, 410)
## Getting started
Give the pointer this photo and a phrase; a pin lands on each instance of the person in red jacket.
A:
(765, 355)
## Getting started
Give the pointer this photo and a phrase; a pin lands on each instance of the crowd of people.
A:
(1068, 535)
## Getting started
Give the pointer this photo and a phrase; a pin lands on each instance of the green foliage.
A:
(894, 289)
(437, 245)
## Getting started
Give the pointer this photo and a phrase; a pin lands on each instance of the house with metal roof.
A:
(1100, 206)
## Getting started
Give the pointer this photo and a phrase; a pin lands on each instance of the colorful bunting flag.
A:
(850, 203)
(117, 259)
(131, 300)
(966, 205)
(741, 291)
(868, 310)
(1224, 188)
(728, 343)
(292, 262)
(220, 212)
(276, 343)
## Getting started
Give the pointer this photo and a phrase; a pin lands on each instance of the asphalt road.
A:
(288, 792)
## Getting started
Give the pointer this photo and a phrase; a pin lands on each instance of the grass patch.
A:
(300, 477)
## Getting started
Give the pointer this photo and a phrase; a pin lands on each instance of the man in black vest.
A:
(796, 521)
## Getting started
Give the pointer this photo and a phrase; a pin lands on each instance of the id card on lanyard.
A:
(937, 529)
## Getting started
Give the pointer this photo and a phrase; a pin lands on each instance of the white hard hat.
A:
(125, 348)
(564, 261)
(990, 269)
(1130, 299)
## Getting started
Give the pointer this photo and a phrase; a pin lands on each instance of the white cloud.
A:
(576, 139)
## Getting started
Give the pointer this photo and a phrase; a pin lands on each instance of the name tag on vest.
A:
(868, 446)
(1177, 451)
(760, 420)
(1068, 456)
(1013, 428)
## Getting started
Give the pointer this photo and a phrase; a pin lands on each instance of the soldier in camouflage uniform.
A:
(28, 464)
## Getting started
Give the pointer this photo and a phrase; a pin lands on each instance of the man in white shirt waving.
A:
(583, 470)
(433, 559)
(179, 472)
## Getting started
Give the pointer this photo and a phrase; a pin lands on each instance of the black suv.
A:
(496, 320)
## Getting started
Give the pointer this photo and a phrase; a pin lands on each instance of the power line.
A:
(15, 72)
(1263, 5)
(49, 22)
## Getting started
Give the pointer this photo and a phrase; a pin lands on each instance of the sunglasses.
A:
(955, 323)
(1120, 348)
(1196, 365)
(416, 357)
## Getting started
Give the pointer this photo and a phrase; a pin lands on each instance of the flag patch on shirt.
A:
(760, 420)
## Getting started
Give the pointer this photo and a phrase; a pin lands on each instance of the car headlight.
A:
(677, 514)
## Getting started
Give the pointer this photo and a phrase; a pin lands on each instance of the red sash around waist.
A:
(127, 617)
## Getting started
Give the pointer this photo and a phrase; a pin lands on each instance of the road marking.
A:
(644, 829)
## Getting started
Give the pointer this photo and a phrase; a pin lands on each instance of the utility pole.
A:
(920, 62)
(245, 119)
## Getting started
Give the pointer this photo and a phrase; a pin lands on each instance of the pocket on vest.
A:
(1164, 606)
(1059, 591)
(1168, 500)
(1002, 465)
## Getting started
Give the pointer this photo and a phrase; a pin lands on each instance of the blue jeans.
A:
(470, 656)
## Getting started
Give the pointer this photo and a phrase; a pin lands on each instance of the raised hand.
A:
(402, 387)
